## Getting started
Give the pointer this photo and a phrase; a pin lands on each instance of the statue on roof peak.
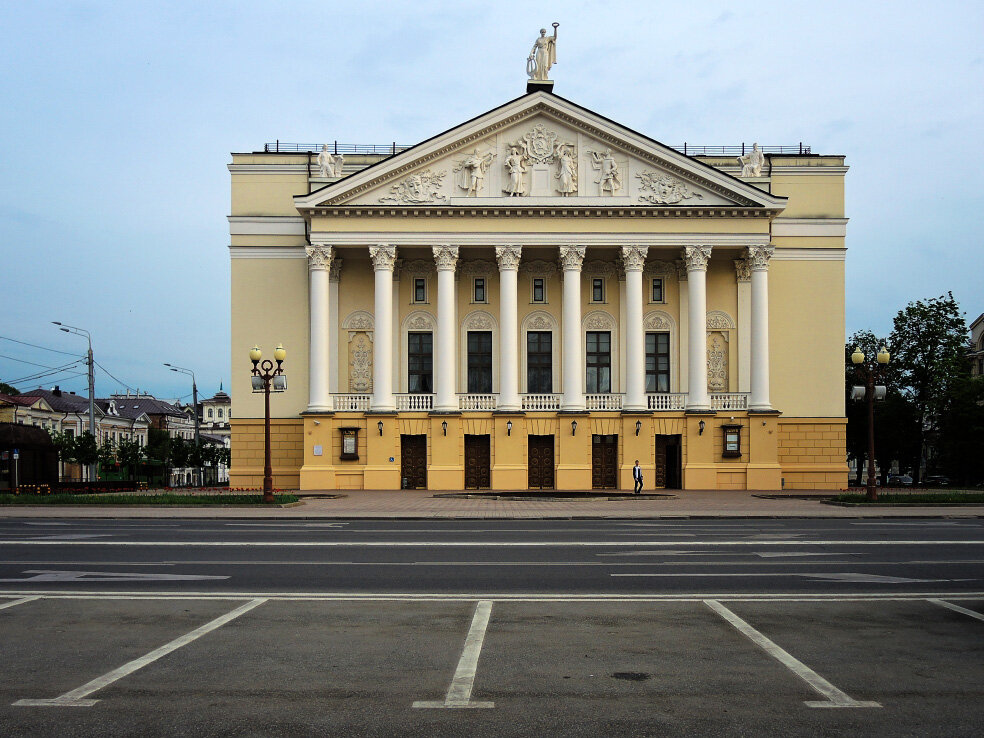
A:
(543, 55)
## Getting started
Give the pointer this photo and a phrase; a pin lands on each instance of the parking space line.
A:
(459, 693)
(834, 696)
(17, 602)
(75, 698)
(956, 608)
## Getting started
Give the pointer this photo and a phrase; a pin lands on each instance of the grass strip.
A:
(144, 499)
(914, 499)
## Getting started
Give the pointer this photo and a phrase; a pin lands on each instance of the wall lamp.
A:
(573, 427)
(380, 426)
(508, 427)
(700, 428)
(444, 426)
(638, 426)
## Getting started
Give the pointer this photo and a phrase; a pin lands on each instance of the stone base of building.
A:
(543, 451)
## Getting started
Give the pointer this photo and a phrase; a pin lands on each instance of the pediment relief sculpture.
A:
(471, 171)
(662, 189)
(420, 188)
(610, 177)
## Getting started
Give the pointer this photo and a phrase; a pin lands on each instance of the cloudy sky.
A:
(117, 119)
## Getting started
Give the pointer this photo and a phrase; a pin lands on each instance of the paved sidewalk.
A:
(423, 504)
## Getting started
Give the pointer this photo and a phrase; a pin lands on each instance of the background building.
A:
(536, 298)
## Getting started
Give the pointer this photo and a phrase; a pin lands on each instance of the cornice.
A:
(558, 211)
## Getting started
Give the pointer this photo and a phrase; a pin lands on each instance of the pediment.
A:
(541, 150)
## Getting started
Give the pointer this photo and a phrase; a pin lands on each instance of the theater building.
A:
(535, 299)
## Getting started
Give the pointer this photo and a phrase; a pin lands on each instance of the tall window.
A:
(539, 362)
(479, 361)
(479, 292)
(539, 290)
(420, 362)
(599, 362)
(419, 289)
(657, 293)
(657, 362)
(597, 290)
(210, 413)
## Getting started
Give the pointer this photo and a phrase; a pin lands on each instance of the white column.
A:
(445, 360)
(696, 258)
(743, 277)
(334, 276)
(633, 259)
(508, 258)
(572, 257)
(383, 259)
(758, 258)
(683, 355)
(319, 262)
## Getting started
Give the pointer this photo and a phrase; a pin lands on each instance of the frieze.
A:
(417, 189)
(662, 189)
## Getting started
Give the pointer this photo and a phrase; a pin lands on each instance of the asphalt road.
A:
(491, 628)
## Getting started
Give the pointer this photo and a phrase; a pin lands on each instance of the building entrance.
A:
(540, 462)
(668, 467)
(413, 461)
(604, 461)
(478, 462)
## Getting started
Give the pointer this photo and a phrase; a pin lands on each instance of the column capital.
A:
(571, 257)
(319, 256)
(508, 257)
(634, 258)
(383, 257)
(696, 258)
(445, 257)
(743, 270)
(758, 257)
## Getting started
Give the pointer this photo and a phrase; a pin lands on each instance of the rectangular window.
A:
(479, 361)
(420, 362)
(539, 362)
(539, 290)
(657, 362)
(599, 362)
(657, 290)
(419, 289)
(479, 291)
(597, 290)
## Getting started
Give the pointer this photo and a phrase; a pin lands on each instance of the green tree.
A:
(65, 444)
(8, 389)
(86, 450)
(158, 449)
(929, 343)
(961, 431)
(130, 454)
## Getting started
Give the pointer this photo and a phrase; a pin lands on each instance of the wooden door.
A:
(659, 471)
(540, 462)
(413, 461)
(604, 461)
(478, 462)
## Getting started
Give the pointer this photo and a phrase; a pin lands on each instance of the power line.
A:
(34, 345)
(22, 361)
(51, 370)
(118, 381)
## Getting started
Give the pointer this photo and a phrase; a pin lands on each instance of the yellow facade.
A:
(280, 206)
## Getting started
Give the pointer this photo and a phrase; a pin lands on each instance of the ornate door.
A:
(540, 462)
(659, 472)
(478, 462)
(604, 461)
(413, 461)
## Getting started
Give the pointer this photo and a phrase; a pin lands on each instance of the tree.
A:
(86, 450)
(159, 449)
(130, 454)
(65, 445)
(961, 431)
(929, 341)
(8, 389)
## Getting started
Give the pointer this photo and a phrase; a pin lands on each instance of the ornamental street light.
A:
(194, 398)
(92, 383)
(265, 375)
(869, 372)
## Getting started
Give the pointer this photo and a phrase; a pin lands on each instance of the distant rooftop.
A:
(282, 147)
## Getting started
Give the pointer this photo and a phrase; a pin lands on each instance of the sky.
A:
(117, 120)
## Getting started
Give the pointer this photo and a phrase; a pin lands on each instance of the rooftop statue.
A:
(330, 165)
(752, 162)
(543, 55)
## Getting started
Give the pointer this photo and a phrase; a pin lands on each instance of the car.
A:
(937, 480)
(899, 480)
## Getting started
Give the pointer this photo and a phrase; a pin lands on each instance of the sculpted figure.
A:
(330, 164)
(752, 162)
(473, 170)
(543, 55)
(610, 179)
(566, 170)
(515, 168)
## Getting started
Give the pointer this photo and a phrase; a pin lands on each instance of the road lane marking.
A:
(47, 575)
(482, 544)
(459, 693)
(957, 608)
(834, 696)
(19, 601)
(846, 577)
(76, 698)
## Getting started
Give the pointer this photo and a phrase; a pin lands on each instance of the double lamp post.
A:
(267, 378)
(870, 372)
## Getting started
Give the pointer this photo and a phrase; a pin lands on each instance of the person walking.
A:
(637, 476)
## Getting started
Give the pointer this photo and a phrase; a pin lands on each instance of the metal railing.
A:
(729, 400)
(691, 150)
(477, 401)
(282, 147)
(414, 401)
(660, 401)
(351, 403)
(540, 402)
(603, 402)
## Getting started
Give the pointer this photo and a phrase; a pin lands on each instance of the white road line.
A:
(19, 601)
(834, 697)
(847, 577)
(76, 698)
(459, 693)
(957, 608)
(480, 544)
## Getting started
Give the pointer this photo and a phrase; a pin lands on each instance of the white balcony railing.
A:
(414, 401)
(477, 402)
(729, 401)
(603, 402)
(541, 403)
(351, 403)
(662, 401)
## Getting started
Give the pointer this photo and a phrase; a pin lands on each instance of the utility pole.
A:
(92, 386)
(194, 399)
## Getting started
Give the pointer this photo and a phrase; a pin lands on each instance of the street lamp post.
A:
(870, 372)
(92, 383)
(265, 375)
(194, 399)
